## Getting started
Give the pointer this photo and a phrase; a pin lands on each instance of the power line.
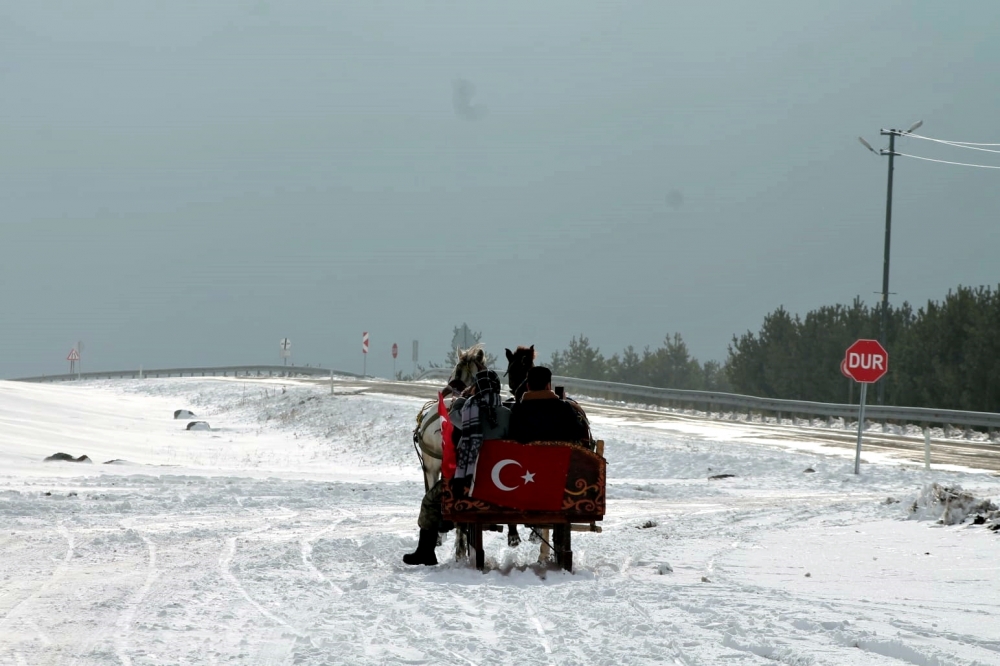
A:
(928, 159)
(949, 141)
(956, 144)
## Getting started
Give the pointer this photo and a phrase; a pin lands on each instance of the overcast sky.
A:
(188, 182)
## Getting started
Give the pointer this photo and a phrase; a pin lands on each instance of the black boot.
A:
(424, 554)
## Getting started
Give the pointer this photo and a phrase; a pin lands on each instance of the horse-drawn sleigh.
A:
(552, 487)
(569, 495)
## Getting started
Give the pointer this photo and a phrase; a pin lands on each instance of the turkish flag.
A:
(521, 476)
(447, 448)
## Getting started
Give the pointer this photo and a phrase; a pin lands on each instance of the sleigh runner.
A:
(547, 485)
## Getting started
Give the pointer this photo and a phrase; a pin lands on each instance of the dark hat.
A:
(487, 381)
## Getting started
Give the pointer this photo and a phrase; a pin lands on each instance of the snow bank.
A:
(950, 505)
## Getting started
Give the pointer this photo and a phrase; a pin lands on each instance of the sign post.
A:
(395, 353)
(73, 357)
(866, 362)
(286, 349)
(861, 428)
(364, 351)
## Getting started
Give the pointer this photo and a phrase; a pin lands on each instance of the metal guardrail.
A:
(433, 373)
(710, 400)
(703, 400)
(225, 371)
(718, 401)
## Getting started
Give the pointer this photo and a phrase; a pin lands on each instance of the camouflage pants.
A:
(430, 508)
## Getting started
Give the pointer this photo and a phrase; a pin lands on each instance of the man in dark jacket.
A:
(542, 416)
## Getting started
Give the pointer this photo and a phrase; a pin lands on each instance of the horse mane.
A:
(469, 355)
(470, 361)
(522, 350)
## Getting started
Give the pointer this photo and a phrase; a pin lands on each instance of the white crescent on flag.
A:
(495, 475)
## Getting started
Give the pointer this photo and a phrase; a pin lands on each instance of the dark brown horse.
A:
(518, 363)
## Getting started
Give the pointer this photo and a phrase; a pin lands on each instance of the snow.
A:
(276, 538)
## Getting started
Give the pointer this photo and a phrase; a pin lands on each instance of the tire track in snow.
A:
(306, 546)
(677, 657)
(38, 630)
(226, 559)
(533, 616)
(127, 618)
(348, 514)
(967, 639)
(460, 657)
(56, 575)
(368, 637)
(728, 620)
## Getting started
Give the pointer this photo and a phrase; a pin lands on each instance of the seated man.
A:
(541, 416)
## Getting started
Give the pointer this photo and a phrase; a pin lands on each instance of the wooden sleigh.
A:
(583, 505)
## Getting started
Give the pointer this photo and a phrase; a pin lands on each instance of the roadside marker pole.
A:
(364, 352)
(927, 448)
(861, 428)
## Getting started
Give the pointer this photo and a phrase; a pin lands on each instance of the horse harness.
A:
(422, 425)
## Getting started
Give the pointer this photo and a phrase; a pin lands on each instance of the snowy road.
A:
(276, 538)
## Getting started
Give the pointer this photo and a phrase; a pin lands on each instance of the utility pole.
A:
(885, 262)
(891, 153)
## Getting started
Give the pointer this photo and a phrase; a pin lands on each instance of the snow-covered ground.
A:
(276, 537)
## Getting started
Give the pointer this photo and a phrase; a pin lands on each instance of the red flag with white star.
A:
(521, 476)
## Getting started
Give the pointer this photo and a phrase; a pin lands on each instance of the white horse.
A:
(427, 438)
(427, 434)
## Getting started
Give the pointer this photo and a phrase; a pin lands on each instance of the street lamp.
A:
(891, 152)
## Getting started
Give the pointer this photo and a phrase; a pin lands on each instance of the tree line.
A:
(944, 355)
(668, 366)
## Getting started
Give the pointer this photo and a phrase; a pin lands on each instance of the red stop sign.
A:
(865, 361)
(395, 350)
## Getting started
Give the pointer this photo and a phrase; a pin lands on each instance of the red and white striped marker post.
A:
(364, 350)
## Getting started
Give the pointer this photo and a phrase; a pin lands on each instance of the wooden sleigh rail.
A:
(581, 507)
